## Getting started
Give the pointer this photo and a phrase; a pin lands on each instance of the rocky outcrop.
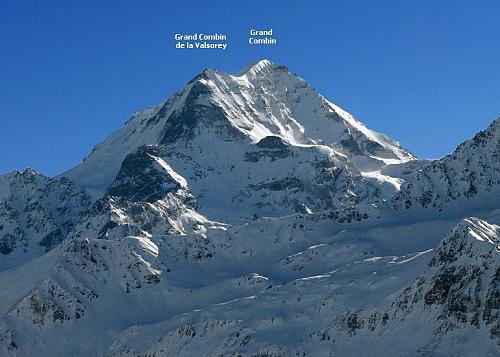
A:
(37, 212)
(472, 169)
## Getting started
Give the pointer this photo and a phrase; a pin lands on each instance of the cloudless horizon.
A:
(425, 73)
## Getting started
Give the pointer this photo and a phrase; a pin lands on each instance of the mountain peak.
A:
(29, 172)
(264, 100)
(472, 239)
(475, 229)
(254, 69)
(260, 66)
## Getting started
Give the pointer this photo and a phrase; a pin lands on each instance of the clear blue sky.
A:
(426, 73)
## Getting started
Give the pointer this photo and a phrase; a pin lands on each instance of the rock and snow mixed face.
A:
(265, 100)
(261, 143)
(36, 213)
(248, 215)
(337, 303)
(147, 197)
(472, 171)
(457, 298)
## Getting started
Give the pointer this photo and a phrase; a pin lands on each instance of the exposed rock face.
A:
(143, 178)
(36, 212)
(461, 285)
(198, 115)
(473, 168)
(147, 197)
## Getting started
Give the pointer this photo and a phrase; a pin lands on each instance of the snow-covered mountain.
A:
(472, 170)
(248, 215)
(36, 213)
(262, 143)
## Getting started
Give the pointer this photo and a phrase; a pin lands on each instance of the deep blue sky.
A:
(426, 73)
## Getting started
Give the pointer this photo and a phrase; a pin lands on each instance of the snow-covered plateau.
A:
(247, 215)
